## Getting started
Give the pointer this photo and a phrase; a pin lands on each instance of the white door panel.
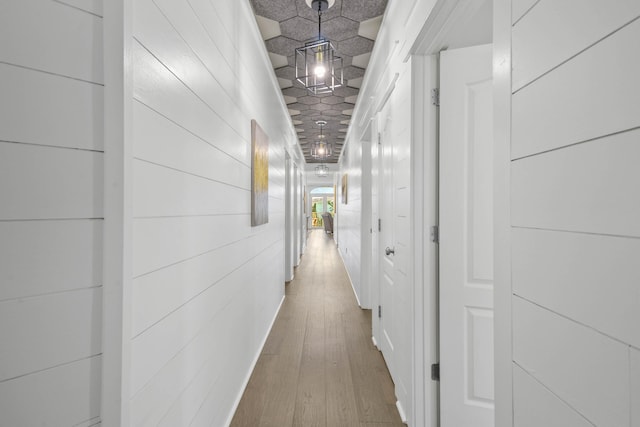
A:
(386, 262)
(396, 234)
(466, 238)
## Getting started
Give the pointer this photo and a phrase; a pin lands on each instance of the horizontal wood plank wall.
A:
(51, 216)
(575, 232)
(527, 389)
(531, 54)
(206, 284)
(634, 367)
(635, 387)
(520, 7)
(606, 96)
(350, 215)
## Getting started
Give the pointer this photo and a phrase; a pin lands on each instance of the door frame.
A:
(442, 29)
(289, 220)
(502, 317)
(324, 204)
(376, 183)
(424, 208)
(366, 222)
(295, 212)
(424, 260)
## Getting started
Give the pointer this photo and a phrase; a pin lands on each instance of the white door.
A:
(386, 260)
(395, 281)
(466, 238)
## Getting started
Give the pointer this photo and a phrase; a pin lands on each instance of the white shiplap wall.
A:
(51, 174)
(401, 24)
(350, 216)
(206, 284)
(574, 213)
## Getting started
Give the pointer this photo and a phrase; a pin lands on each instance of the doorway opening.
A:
(322, 200)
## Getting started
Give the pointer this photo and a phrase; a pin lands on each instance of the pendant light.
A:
(322, 171)
(318, 68)
(321, 149)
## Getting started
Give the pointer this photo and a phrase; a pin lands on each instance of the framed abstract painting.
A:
(259, 175)
(344, 189)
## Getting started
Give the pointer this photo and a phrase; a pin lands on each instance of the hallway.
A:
(319, 366)
(159, 161)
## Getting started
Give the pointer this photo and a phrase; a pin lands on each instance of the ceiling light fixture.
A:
(322, 171)
(321, 149)
(318, 68)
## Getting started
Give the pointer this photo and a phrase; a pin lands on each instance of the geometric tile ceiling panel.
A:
(352, 26)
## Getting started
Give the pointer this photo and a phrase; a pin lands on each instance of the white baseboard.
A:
(375, 342)
(350, 281)
(403, 416)
(253, 366)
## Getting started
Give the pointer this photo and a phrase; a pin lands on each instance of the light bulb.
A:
(319, 69)
(321, 151)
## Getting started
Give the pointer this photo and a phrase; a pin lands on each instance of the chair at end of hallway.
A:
(327, 220)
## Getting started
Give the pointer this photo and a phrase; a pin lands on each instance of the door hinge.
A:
(435, 234)
(379, 224)
(435, 97)
(379, 138)
(380, 311)
(435, 372)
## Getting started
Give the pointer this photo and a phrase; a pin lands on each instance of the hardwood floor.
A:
(318, 366)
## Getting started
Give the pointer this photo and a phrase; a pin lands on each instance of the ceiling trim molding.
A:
(441, 23)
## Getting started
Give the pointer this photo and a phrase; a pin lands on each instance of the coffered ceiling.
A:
(352, 26)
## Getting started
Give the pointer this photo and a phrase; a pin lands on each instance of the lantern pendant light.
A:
(321, 149)
(322, 171)
(318, 68)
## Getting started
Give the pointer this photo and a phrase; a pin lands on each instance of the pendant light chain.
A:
(319, 20)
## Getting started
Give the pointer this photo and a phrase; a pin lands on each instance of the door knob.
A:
(389, 251)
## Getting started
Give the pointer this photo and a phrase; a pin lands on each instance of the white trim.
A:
(418, 204)
(253, 366)
(365, 221)
(442, 21)
(297, 217)
(363, 103)
(502, 213)
(403, 416)
(432, 250)
(290, 246)
(425, 253)
(375, 342)
(387, 93)
(117, 259)
(439, 26)
(374, 290)
(350, 281)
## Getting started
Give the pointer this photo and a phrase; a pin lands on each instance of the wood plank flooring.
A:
(318, 367)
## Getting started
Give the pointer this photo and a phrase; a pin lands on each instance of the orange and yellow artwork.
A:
(259, 175)
(344, 189)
